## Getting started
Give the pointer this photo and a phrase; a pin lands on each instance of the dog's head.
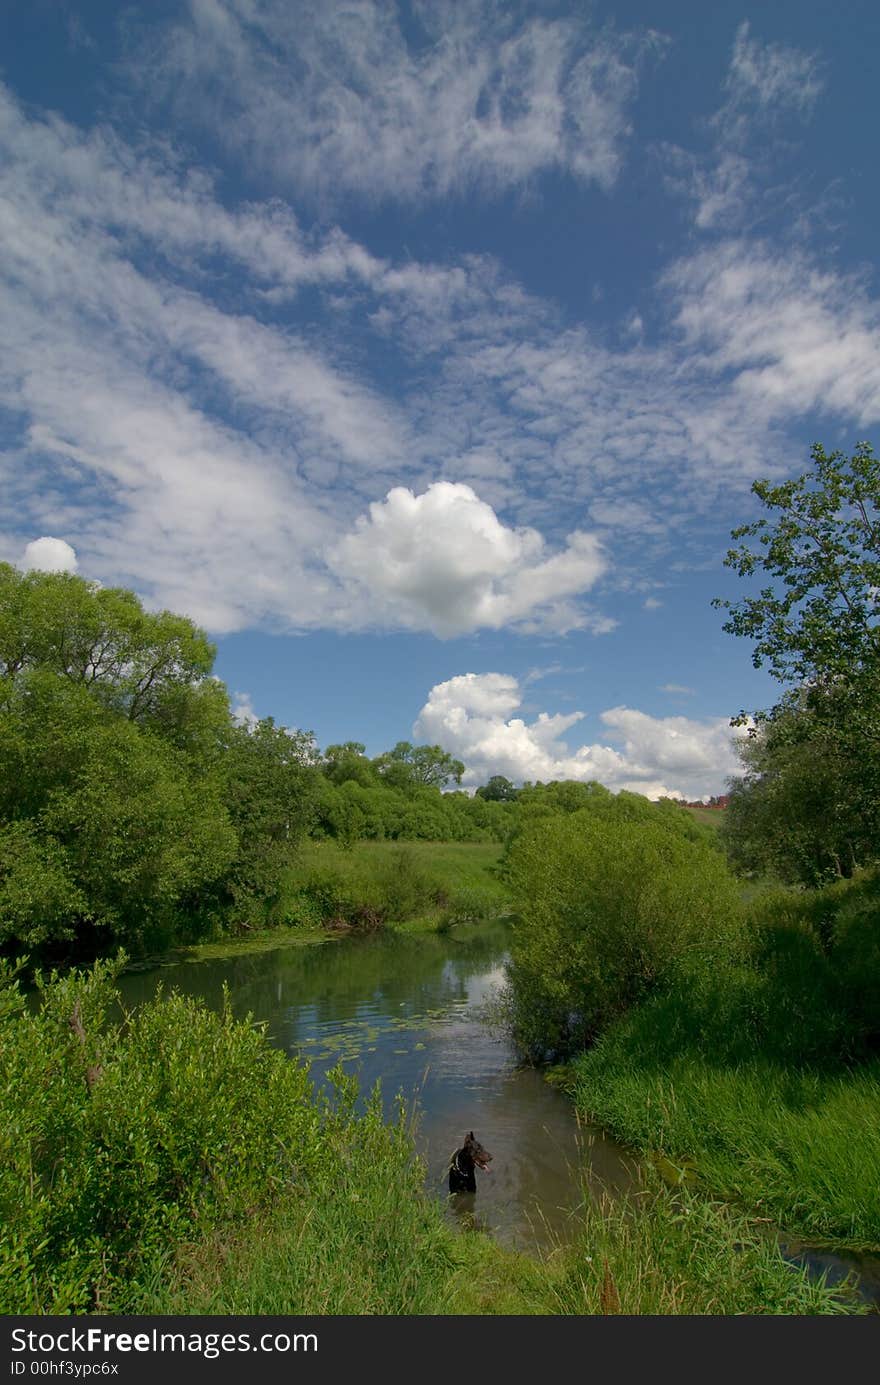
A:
(480, 1156)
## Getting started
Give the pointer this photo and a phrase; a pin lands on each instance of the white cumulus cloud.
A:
(50, 555)
(243, 713)
(472, 717)
(443, 561)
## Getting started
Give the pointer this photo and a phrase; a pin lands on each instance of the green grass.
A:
(709, 817)
(379, 1247)
(799, 1147)
(674, 1253)
(414, 884)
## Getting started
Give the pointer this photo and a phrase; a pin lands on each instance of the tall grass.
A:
(372, 884)
(390, 1252)
(366, 1242)
(122, 1144)
(802, 1147)
(674, 1253)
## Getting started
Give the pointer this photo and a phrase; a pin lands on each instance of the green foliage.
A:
(427, 765)
(132, 809)
(141, 665)
(348, 763)
(374, 884)
(609, 907)
(378, 1247)
(823, 550)
(818, 956)
(269, 793)
(366, 806)
(497, 790)
(366, 1240)
(122, 1143)
(39, 901)
(800, 1144)
(759, 1074)
(808, 805)
(537, 802)
(667, 1252)
(452, 885)
(124, 823)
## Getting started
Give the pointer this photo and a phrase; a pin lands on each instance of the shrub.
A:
(120, 1140)
(609, 909)
(818, 952)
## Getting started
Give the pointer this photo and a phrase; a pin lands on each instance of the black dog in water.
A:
(471, 1156)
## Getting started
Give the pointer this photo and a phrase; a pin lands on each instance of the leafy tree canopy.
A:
(419, 764)
(808, 804)
(140, 664)
(822, 548)
(498, 790)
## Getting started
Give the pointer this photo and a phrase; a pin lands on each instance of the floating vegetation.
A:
(353, 1037)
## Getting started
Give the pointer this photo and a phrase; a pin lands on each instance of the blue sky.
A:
(425, 354)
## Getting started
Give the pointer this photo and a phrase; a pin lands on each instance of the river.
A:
(409, 1012)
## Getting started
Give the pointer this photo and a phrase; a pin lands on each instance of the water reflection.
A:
(407, 1012)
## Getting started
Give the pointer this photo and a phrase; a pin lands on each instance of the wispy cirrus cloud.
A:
(458, 96)
(199, 414)
(765, 82)
(224, 456)
(736, 183)
(788, 335)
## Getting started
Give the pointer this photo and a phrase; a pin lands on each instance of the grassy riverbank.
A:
(798, 1146)
(390, 1252)
(176, 1162)
(411, 884)
(759, 1077)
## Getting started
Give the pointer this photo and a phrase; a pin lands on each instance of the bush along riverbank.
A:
(411, 887)
(735, 1041)
(762, 1075)
(175, 1162)
(415, 885)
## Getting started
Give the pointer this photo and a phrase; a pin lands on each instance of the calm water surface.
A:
(410, 1013)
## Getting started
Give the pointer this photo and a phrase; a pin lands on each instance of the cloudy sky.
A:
(425, 352)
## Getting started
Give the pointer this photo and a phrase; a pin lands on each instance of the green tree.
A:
(820, 618)
(269, 775)
(131, 806)
(348, 762)
(809, 801)
(608, 908)
(498, 790)
(145, 666)
(114, 810)
(426, 765)
(806, 806)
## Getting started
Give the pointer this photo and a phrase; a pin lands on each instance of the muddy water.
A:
(409, 1012)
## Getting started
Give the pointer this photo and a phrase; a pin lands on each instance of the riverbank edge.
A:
(682, 1168)
(273, 939)
(508, 1276)
(675, 1167)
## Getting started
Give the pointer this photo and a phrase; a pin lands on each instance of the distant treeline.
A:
(136, 809)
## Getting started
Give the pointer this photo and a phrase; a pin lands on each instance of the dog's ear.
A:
(470, 1136)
